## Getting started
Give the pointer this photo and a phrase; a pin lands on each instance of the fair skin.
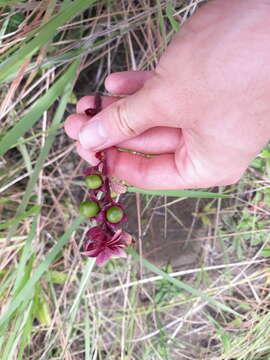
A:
(204, 112)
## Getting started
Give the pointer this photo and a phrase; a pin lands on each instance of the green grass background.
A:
(56, 304)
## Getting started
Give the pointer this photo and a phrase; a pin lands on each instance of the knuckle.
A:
(123, 120)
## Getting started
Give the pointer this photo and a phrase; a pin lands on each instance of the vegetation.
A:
(210, 301)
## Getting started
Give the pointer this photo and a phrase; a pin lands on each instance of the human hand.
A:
(204, 110)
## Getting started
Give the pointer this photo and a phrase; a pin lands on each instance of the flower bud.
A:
(93, 181)
(89, 208)
(114, 214)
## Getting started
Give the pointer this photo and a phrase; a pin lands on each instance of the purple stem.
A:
(97, 106)
(91, 112)
(107, 197)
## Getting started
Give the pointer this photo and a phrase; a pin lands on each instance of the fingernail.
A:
(93, 135)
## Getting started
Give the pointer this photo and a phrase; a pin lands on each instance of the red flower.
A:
(103, 246)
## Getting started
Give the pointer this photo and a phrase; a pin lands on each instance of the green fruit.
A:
(114, 214)
(93, 181)
(89, 208)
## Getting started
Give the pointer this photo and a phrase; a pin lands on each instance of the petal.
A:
(117, 252)
(126, 239)
(96, 242)
(96, 234)
(120, 238)
(92, 252)
(118, 188)
(103, 258)
(93, 248)
(116, 239)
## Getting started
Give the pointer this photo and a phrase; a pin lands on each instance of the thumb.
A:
(124, 119)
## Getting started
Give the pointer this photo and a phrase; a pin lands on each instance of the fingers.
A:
(127, 118)
(73, 125)
(154, 173)
(159, 140)
(75, 122)
(154, 141)
(87, 155)
(87, 102)
(127, 82)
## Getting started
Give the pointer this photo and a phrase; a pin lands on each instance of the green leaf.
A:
(25, 268)
(25, 276)
(170, 12)
(180, 284)
(42, 312)
(9, 2)
(32, 211)
(73, 99)
(26, 332)
(180, 193)
(265, 253)
(27, 291)
(87, 271)
(48, 143)
(45, 34)
(56, 277)
(35, 112)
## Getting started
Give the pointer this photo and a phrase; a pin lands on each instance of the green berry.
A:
(89, 208)
(93, 181)
(114, 214)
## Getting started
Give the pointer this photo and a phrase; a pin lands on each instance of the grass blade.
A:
(48, 144)
(27, 291)
(181, 193)
(27, 252)
(46, 33)
(36, 110)
(169, 12)
(180, 284)
(32, 211)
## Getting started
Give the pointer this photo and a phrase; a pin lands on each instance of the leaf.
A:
(25, 268)
(181, 193)
(42, 312)
(35, 112)
(73, 98)
(265, 253)
(26, 332)
(45, 33)
(180, 284)
(32, 211)
(87, 271)
(9, 2)
(56, 277)
(27, 291)
(48, 143)
(170, 12)
(206, 220)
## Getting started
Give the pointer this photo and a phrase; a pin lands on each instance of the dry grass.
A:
(63, 306)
